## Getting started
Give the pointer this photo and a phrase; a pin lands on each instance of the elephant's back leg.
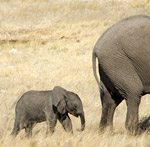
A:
(20, 122)
(16, 128)
(28, 129)
(119, 76)
(109, 105)
(116, 71)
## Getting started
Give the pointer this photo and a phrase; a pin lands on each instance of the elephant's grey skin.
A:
(123, 54)
(38, 106)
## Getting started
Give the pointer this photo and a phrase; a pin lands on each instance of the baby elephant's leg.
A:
(19, 124)
(16, 128)
(28, 130)
(66, 122)
(51, 122)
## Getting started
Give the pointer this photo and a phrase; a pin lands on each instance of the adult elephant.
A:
(123, 54)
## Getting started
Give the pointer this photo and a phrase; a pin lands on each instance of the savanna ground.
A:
(44, 43)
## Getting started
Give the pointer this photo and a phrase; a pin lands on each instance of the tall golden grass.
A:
(44, 43)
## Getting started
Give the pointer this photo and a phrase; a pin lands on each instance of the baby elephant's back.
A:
(34, 101)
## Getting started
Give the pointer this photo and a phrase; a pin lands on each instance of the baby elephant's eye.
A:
(75, 106)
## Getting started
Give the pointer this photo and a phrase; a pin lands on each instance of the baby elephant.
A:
(38, 106)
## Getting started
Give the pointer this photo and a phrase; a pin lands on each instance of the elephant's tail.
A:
(94, 56)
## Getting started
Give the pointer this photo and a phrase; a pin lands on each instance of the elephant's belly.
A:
(36, 117)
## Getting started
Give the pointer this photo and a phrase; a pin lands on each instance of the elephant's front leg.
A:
(51, 121)
(66, 122)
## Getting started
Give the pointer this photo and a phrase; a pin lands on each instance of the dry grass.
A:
(47, 43)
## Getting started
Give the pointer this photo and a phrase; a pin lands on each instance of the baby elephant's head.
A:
(68, 102)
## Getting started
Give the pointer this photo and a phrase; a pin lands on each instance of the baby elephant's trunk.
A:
(82, 121)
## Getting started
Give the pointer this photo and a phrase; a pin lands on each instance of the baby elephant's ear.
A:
(61, 107)
(58, 95)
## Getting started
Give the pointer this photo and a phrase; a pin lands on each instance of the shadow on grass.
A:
(144, 124)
